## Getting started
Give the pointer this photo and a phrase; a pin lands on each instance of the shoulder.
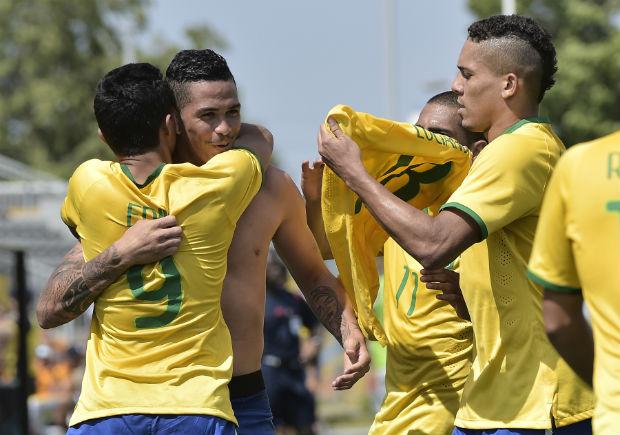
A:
(90, 172)
(279, 182)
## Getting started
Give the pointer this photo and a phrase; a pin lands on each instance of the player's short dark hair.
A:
(131, 102)
(190, 66)
(447, 98)
(521, 34)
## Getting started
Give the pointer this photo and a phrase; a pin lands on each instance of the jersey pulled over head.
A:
(131, 104)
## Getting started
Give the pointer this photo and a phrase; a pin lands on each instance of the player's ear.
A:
(170, 125)
(477, 147)
(168, 133)
(511, 85)
(101, 137)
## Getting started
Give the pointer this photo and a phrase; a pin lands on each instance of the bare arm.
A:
(75, 284)
(566, 327)
(433, 241)
(311, 183)
(323, 291)
(258, 139)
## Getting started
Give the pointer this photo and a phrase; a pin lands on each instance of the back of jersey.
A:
(158, 340)
(577, 248)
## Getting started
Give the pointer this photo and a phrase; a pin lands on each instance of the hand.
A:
(447, 281)
(312, 180)
(339, 151)
(149, 240)
(356, 360)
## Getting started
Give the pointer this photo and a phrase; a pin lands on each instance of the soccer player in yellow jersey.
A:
(576, 256)
(157, 334)
(428, 346)
(518, 384)
(210, 115)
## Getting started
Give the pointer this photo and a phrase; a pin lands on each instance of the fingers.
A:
(443, 286)
(305, 166)
(345, 382)
(166, 221)
(334, 127)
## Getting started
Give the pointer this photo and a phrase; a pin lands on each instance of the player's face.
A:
(478, 87)
(212, 118)
(445, 120)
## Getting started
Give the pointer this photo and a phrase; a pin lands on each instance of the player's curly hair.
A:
(190, 66)
(524, 29)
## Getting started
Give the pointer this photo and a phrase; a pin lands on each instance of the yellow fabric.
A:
(162, 349)
(518, 379)
(577, 245)
(418, 166)
(429, 351)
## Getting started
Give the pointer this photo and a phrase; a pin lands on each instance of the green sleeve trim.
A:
(260, 162)
(150, 178)
(550, 286)
(483, 227)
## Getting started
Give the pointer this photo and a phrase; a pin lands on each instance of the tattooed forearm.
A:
(75, 285)
(325, 304)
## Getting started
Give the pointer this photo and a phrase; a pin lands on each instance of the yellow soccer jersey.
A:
(428, 352)
(518, 380)
(158, 341)
(418, 166)
(577, 246)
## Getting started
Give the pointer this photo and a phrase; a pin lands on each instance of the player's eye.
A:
(234, 113)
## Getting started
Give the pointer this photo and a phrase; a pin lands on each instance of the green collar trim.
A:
(150, 178)
(536, 119)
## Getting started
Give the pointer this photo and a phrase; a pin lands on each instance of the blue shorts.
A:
(152, 424)
(581, 428)
(251, 405)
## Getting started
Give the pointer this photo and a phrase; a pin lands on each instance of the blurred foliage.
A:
(583, 104)
(52, 54)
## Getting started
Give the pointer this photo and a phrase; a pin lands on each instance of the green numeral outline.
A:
(171, 289)
(402, 285)
(613, 206)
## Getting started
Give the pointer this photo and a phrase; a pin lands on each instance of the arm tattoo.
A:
(75, 285)
(328, 309)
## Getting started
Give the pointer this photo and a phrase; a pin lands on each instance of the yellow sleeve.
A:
(552, 264)
(243, 176)
(80, 181)
(506, 182)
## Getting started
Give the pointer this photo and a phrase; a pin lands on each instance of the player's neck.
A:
(143, 165)
(507, 119)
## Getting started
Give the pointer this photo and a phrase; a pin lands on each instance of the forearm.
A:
(417, 233)
(579, 358)
(75, 284)
(314, 218)
(330, 304)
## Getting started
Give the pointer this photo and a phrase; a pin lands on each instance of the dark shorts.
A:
(581, 428)
(147, 424)
(251, 405)
(291, 402)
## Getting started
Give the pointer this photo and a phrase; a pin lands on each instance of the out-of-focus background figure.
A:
(292, 344)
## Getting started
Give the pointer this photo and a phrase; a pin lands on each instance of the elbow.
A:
(431, 257)
(46, 319)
